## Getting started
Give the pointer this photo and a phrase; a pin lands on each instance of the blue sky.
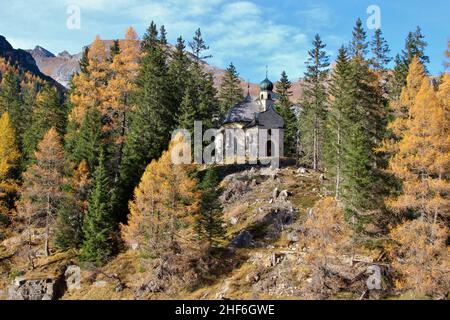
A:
(249, 33)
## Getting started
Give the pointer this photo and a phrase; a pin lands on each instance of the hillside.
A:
(265, 256)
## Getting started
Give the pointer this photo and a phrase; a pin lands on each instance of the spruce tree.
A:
(284, 108)
(114, 50)
(314, 104)
(359, 45)
(73, 209)
(163, 36)
(209, 224)
(230, 92)
(88, 140)
(11, 101)
(98, 228)
(152, 120)
(415, 46)
(179, 72)
(380, 52)
(47, 113)
(338, 120)
(199, 99)
(363, 183)
(84, 61)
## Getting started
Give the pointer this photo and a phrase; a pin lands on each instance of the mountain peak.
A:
(39, 51)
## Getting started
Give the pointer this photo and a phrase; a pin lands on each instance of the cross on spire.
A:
(267, 71)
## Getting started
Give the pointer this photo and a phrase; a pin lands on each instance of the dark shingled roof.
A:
(244, 111)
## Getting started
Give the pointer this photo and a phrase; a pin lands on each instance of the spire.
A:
(267, 71)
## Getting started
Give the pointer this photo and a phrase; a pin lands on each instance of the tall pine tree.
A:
(230, 92)
(209, 224)
(314, 104)
(98, 228)
(284, 108)
(152, 120)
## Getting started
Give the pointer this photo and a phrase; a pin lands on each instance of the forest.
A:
(86, 177)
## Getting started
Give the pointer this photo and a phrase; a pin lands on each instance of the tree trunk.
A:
(47, 227)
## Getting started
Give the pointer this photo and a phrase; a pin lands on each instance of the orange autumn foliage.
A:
(164, 208)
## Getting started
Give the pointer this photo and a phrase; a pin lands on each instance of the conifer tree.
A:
(380, 52)
(86, 96)
(114, 50)
(400, 108)
(9, 164)
(88, 141)
(359, 45)
(98, 228)
(199, 99)
(84, 61)
(89, 84)
(151, 122)
(117, 100)
(314, 105)
(421, 161)
(198, 46)
(230, 92)
(47, 113)
(420, 257)
(179, 72)
(415, 46)
(41, 193)
(11, 101)
(163, 210)
(363, 185)
(73, 209)
(284, 108)
(163, 36)
(338, 120)
(209, 224)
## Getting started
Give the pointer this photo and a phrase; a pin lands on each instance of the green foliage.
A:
(314, 105)
(230, 92)
(209, 224)
(284, 108)
(359, 45)
(380, 52)
(69, 223)
(415, 46)
(151, 122)
(11, 102)
(114, 49)
(85, 144)
(179, 72)
(47, 113)
(98, 228)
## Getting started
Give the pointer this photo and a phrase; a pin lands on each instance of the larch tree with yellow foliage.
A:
(421, 256)
(400, 108)
(41, 192)
(84, 120)
(117, 97)
(164, 208)
(9, 163)
(423, 160)
(327, 235)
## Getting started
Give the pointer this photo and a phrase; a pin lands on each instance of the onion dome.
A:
(266, 85)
